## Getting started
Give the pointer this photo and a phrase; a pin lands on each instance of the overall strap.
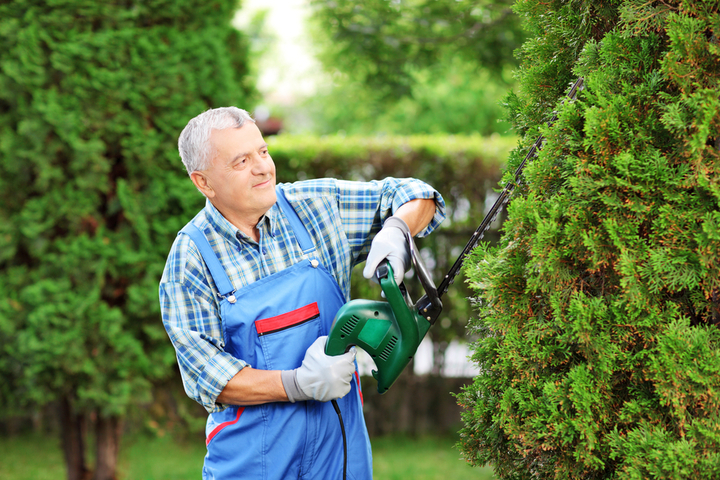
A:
(222, 282)
(299, 228)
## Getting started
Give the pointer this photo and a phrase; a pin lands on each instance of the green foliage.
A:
(453, 96)
(463, 168)
(599, 309)
(380, 42)
(92, 98)
(411, 67)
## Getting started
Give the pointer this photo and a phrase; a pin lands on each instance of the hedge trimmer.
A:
(390, 332)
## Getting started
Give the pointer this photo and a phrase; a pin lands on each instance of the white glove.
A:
(391, 243)
(321, 377)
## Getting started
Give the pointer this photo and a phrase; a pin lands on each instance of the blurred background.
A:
(92, 192)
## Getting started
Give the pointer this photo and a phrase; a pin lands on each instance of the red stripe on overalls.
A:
(357, 379)
(217, 429)
(287, 320)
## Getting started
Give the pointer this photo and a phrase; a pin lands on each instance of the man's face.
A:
(241, 178)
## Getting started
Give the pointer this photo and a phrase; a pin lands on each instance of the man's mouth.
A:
(263, 184)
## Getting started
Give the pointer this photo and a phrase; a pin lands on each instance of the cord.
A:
(342, 429)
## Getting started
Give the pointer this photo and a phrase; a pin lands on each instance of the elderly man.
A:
(250, 291)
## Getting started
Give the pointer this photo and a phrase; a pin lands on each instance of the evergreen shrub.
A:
(599, 347)
(93, 96)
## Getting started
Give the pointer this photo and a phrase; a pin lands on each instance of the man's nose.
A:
(261, 164)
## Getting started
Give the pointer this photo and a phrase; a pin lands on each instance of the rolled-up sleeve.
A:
(364, 207)
(411, 189)
(191, 318)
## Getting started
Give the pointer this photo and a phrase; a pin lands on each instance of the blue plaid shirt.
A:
(342, 218)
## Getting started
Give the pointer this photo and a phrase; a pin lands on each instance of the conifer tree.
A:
(92, 192)
(597, 337)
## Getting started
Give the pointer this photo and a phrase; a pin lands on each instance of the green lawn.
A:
(427, 458)
(31, 457)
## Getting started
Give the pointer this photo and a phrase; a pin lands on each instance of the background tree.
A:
(599, 309)
(453, 96)
(409, 67)
(92, 98)
(379, 42)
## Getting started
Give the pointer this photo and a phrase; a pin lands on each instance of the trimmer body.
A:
(390, 332)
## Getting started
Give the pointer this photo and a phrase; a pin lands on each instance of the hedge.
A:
(599, 309)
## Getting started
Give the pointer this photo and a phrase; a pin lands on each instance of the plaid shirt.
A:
(342, 217)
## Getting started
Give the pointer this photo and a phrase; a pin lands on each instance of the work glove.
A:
(390, 243)
(321, 377)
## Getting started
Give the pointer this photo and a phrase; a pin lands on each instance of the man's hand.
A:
(390, 243)
(321, 377)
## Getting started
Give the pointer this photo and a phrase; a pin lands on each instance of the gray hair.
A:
(194, 141)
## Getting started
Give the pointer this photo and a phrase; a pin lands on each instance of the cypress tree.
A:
(92, 192)
(597, 336)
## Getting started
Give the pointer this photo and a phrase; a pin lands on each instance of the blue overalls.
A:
(270, 324)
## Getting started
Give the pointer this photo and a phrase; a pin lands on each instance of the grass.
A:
(425, 458)
(33, 457)
(29, 457)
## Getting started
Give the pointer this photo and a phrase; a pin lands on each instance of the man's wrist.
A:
(292, 389)
(397, 222)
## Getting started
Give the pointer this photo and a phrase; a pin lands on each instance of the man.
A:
(250, 291)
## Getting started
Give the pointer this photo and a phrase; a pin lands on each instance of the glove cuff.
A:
(292, 389)
(397, 222)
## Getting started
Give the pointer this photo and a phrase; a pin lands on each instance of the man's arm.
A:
(191, 321)
(253, 387)
(417, 214)
(364, 207)
(321, 377)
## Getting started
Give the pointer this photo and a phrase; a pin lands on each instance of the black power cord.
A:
(342, 428)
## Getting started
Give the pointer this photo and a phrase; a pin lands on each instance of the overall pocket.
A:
(284, 338)
(234, 443)
(216, 428)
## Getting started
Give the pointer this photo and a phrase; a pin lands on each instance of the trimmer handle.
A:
(389, 331)
(382, 271)
(429, 306)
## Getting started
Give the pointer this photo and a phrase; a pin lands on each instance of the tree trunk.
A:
(107, 437)
(72, 440)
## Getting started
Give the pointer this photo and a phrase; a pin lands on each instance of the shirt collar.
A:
(221, 224)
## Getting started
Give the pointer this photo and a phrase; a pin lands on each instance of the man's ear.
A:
(202, 183)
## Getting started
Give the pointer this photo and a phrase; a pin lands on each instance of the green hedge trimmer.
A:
(390, 332)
